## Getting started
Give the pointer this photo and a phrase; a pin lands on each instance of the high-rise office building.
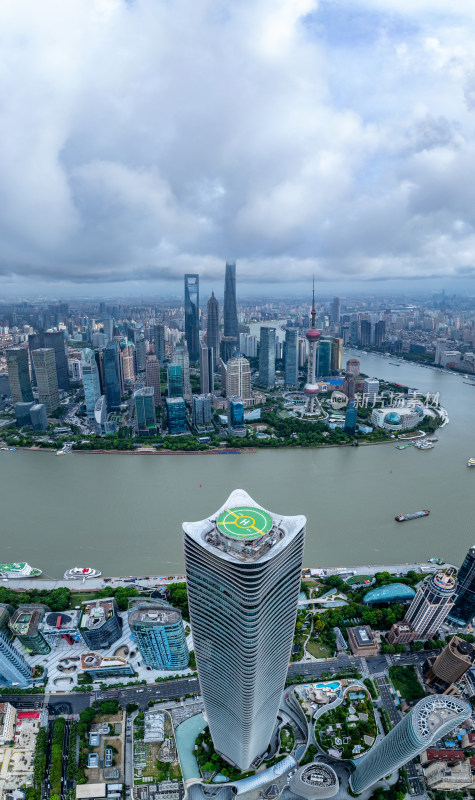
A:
(267, 357)
(176, 415)
(238, 378)
(430, 720)
(302, 351)
(231, 325)
(192, 315)
(152, 376)
(19, 375)
(432, 603)
(212, 328)
(450, 665)
(145, 411)
(463, 610)
(243, 570)
(371, 388)
(100, 624)
(14, 670)
(157, 629)
(111, 371)
(324, 360)
(353, 366)
(291, 357)
(206, 369)
(236, 426)
(108, 325)
(22, 413)
(365, 333)
(127, 358)
(175, 381)
(157, 335)
(228, 347)
(90, 381)
(379, 333)
(54, 340)
(335, 312)
(181, 359)
(140, 355)
(337, 354)
(39, 417)
(350, 418)
(25, 624)
(202, 409)
(46, 378)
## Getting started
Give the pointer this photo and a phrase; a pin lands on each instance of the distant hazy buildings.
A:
(152, 376)
(192, 315)
(371, 388)
(212, 328)
(231, 325)
(243, 568)
(22, 413)
(181, 359)
(335, 310)
(145, 411)
(19, 375)
(353, 366)
(46, 378)
(111, 372)
(430, 720)
(54, 340)
(158, 339)
(463, 610)
(127, 363)
(157, 628)
(206, 369)
(90, 381)
(267, 357)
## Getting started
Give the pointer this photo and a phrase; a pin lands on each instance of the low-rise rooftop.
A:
(26, 619)
(97, 612)
(153, 614)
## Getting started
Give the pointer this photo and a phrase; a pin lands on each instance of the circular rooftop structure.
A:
(316, 780)
(244, 522)
(313, 334)
(437, 714)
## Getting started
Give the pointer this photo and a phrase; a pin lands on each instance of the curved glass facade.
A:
(464, 605)
(243, 597)
(429, 720)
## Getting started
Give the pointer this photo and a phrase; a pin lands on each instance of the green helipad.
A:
(244, 523)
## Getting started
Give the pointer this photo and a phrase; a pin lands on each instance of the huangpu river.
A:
(122, 514)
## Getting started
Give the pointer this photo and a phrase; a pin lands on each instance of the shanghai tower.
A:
(231, 326)
(243, 568)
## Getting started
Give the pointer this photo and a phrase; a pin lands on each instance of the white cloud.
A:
(140, 139)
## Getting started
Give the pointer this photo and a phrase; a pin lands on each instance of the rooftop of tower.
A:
(242, 531)
(433, 712)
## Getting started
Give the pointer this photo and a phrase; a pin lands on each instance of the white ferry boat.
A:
(471, 462)
(66, 448)
(81, 573)
(19, 570)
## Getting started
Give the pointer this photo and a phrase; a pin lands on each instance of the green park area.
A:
(350, 729)
(405, 681)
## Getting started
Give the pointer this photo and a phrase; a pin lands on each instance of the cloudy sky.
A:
(143, 139)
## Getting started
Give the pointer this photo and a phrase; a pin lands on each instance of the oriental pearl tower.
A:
(312, 406)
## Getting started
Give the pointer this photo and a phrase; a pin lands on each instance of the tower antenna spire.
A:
(314, 313)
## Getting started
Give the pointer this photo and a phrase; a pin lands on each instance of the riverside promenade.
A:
(153, 582)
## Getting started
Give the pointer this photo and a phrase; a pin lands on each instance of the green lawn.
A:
(319, 650)
(405, 681)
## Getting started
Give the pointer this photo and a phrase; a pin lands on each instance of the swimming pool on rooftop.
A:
(334, 685)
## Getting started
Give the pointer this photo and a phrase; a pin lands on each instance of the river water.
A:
(122, 514)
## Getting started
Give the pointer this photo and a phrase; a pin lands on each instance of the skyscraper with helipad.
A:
(243, 570)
